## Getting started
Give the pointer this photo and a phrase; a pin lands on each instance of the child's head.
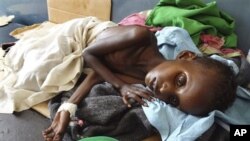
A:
(223, 90)
(196, 85)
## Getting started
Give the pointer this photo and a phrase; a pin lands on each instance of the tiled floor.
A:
(23, 126)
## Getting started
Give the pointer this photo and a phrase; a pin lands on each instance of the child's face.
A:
(183, 84)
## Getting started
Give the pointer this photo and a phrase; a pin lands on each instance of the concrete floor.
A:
(22, 126)
(28, 126)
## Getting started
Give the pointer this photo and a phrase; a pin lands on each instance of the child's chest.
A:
(129, 61)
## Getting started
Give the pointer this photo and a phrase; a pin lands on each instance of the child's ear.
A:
(187, 55)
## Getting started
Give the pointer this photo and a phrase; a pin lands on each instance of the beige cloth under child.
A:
(45, 61)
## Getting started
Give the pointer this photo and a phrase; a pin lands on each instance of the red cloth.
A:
(137, 19)
(211, 44)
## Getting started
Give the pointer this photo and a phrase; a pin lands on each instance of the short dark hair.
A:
(224, 90)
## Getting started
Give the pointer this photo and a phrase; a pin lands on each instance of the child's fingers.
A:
(125, 101)
(46, 131)
(144, 95)
(57, 138)
(140, 94)
(131, 98)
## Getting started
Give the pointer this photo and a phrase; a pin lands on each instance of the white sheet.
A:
(45, 61)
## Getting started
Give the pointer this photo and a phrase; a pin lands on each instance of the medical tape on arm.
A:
(70, 107)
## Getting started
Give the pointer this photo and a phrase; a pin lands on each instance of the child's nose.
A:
(166, 88)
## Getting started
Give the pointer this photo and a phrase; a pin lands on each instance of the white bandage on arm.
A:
(70, 107)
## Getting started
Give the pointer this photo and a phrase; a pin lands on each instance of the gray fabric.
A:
(106, 114)
(243, 77)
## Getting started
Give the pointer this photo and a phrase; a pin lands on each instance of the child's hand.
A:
(58, 127)
(135, 93)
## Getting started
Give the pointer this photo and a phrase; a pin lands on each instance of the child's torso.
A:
(130, 61)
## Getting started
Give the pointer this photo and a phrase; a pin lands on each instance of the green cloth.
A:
(98, 138)
(196, 17)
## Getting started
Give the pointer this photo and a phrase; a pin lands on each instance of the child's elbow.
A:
(86, 56)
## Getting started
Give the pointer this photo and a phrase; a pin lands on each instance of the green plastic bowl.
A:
(98, 138)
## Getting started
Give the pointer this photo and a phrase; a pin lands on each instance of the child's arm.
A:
(132, 36)
(128, 38)
(61, 120)
(83, 89)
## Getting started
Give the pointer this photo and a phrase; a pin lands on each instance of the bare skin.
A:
(127, 55)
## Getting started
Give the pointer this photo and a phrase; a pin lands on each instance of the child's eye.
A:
(180, 80)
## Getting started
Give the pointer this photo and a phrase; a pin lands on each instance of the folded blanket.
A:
(105, 114)
(45, 62)
(196, 17)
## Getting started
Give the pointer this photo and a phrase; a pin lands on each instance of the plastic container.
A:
(98, 138)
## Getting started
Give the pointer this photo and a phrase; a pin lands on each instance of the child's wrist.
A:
(70, 107)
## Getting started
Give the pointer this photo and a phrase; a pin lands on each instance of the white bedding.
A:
(45, 61)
